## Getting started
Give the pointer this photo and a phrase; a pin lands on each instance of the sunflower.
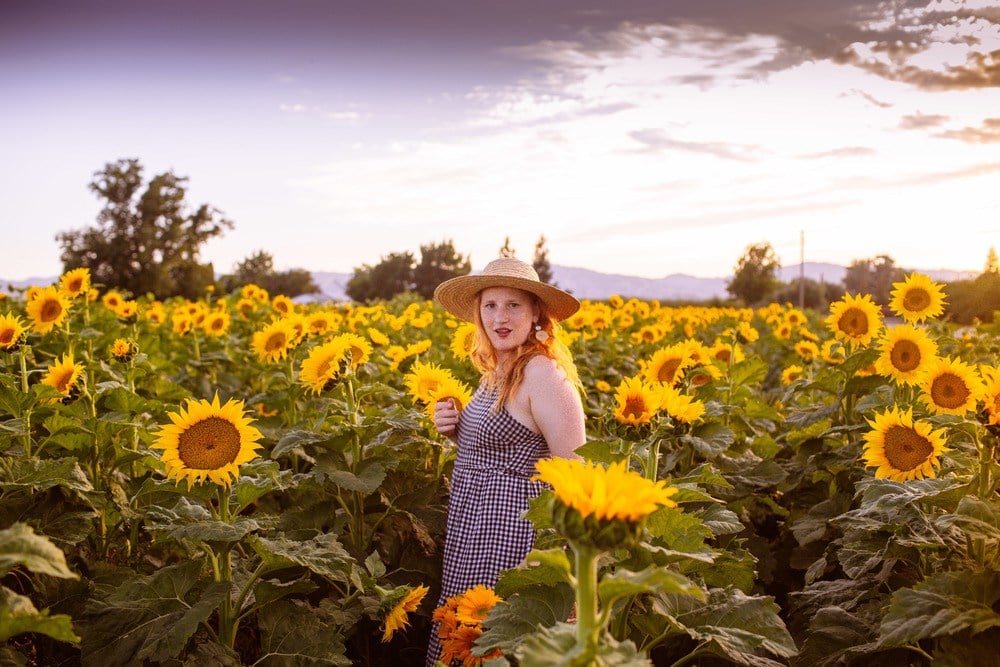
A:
(397, 617)
(181, 323)
(424, 379)
(75, 282)
(64, 374)
(464, 340)
(216, 323)
(667, 364)
(951, 387)
(124, 349)
(360, 349)
(901, 448)
(807, 350)
(474, 605)
(377, 337)
(12, 332)
(320, 321)
(208, 441)
(681, 407)
(273, 342)
(283, 305)
(127, 310)
(917, 298)
(854, 319)
(155, 313)
(608, 493)
(833, 352)
(791, 374)
(602, 386)
(323, 367)
(906, 354)
(637, 401)
(449, 388)
(112, 299)
(991, 394)
(47, 310)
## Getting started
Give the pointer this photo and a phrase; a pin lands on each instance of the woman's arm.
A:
(555, 406)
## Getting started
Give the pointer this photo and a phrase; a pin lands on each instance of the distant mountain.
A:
(594, 285)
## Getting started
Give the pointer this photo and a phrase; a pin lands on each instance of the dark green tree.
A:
(438, 262)
(969, 301)
(541, 261)
(146, 242)
(873, 276)
(816, 295)
(391, 276)
(755, 275)
(258, 269)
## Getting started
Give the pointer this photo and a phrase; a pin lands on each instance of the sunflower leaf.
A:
(294, 439)
(323, 554)
(550, 567)
(976, 518)
(623, 583)
(19, 615)
(943, 604)
(367, 480)
(39, 475)
(20, 545)
(523, 613)
(557, 647)
(293, 633)
(749, 371)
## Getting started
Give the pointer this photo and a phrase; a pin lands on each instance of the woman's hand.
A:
(446, 418)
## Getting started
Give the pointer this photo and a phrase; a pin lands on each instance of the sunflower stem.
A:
(27, 410)
(985, 446)
(587, 626)
(227, 624)
(653, 461)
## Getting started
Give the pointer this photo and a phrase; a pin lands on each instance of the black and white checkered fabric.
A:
(490, 489)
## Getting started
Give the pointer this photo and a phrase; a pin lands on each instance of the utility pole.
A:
(802, 269)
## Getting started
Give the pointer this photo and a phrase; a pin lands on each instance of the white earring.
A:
(540, 335)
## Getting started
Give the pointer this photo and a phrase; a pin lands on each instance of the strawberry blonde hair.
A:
(507, 381)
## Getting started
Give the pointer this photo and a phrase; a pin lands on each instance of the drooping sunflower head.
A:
(636, 401)
(75, 282)
(832, 352)
(855, 319)
(13, 333)
(124, 349)
(207, 440)
(424, 379)
(901, 448)
(906, 353)
(681, 407)
(463, 340)
(396, 608)
(47, 309)
(449, 388)
(917, 298)
(950, 386)
(65, 375)
(273, 342)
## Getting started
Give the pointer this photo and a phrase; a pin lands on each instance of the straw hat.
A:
(458, 295)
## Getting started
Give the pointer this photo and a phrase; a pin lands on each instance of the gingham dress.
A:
(490, 489)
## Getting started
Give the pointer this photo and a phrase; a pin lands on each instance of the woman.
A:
(527, 407)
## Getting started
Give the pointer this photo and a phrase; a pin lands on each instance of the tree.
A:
(755, 275)
(506, 250)
(816, 295)
(873, 276)
(541, 261)
(438, 262)
(144, 243)
(392, 275)
(992, 265)
(259, 270)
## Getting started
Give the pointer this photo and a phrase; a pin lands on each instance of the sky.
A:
(639, 137)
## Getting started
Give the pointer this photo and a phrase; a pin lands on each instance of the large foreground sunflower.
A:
(907, 352)
(951, 387)
(917, 298)
(855, 319)
(208, 441)
(47, 309)
(901, 448)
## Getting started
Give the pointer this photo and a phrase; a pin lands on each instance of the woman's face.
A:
(508, 317)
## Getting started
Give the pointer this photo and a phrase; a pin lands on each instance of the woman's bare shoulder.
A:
(544, 371)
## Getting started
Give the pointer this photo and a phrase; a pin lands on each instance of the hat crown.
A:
(511, 268)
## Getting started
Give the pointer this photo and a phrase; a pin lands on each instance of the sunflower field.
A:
(244, 480)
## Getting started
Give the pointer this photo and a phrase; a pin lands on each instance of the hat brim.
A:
(458, 295)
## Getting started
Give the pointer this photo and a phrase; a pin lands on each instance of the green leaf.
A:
(944, 604)
(834, 634)
(623, 583)
(270, 590)
(20, 545)
(678, 530)
(369, 477)
(550, 567)
(977, 518)
(752, 370)
(38, 475)
(523, 613)
(175, 629)
(322, 554)
(556, 647)
(293, 633)
(709, 439)
(810, 432)
(295, 439)
(719, 520)
(19, 615)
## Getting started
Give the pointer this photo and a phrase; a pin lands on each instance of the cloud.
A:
(921, 121)
(657, 140)
(846, 151)
(988, 133)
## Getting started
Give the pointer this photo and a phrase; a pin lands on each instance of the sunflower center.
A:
(916, 299)
(210, 444)
(63, 380)
(949, 391)
(905, 356)
(275, 342)
(6, 336)
(667, 370)
(634, 406)
(323, 368)
(51, 310)
(854, 322)
(905, 449)
(723, 355)
(74, 286)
